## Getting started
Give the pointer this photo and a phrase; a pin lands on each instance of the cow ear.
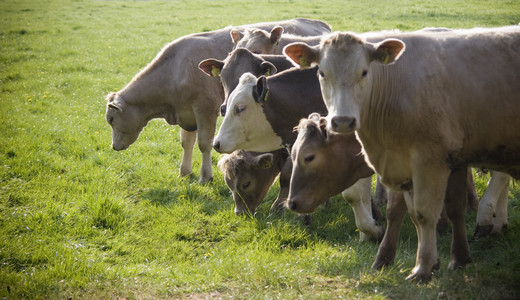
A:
(264, 161)
(112, 103)
(236, 35)
(211, 67)
(267, 68)
(302, 54)
(387, 51)
(261, 90)
(276, 35)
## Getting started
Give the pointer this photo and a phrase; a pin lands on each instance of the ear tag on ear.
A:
(268, 72)
(215, 71)
(266, 164)
(303, 61)
(385, 58)
(266, 95)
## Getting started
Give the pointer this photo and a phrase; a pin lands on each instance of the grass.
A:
(78, 220)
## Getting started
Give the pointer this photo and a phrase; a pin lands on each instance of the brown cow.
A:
(172, 88)
(249, 175)
(423, 115)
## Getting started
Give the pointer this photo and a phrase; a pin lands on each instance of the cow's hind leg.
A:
(456, 200)
(187, 143)
(492, 209)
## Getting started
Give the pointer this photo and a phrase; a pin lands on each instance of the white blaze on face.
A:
(245, 125)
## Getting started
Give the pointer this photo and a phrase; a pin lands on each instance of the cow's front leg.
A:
(187, 143)
(205, 139)
(424, 207)
(492, 209)
(456, 199)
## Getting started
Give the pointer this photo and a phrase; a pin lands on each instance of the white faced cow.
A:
(451, 100)
(171, 87)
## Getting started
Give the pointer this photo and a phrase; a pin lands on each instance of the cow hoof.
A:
(420, 277)
(482, 231)
(455, 264)
(205, 181)
(382, 262)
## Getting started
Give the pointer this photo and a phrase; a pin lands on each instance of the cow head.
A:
(249, 176)
(345, 73)
(324, 164)
(245, 125)
(125, 120)
(238, 62)
(259, 41)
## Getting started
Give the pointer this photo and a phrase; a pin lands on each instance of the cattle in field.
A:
(425, 106)
(249, 175)
(262, 42)
(241, 61)
(172, 88)
(262, 114)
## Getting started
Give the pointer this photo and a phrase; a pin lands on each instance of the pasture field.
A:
(79, 220)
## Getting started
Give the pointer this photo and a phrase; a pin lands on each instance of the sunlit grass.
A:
(80, 220)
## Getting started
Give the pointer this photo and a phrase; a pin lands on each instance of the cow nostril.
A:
(223, 110)
(343, 124)
(216, 146)
(292, 205)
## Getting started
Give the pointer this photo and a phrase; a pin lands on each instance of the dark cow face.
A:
(126, 122)
(324, 164)
(238, 62)
(249, 176)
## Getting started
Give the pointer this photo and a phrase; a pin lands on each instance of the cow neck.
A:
(293, 95)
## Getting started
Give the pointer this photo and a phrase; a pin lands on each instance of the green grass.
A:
(82, 221)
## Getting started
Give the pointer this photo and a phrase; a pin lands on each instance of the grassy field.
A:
(79, 220)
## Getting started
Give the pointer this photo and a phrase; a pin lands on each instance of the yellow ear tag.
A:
(266, 94)
(386, 57)
(215, 71)
(267, 164)
(268, 72)
(303, 61)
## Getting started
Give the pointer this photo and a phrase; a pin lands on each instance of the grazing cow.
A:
(241, 61)
(324, 165)
(423, 115)
(249, 175)
(262, 42)
(263, 113)
(172, 88)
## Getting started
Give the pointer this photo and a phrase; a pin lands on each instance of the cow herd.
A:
(324, 111)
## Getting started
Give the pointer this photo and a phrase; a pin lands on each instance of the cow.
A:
(172, 88)
(262, 115)
(249, 175)
(425, 106)
(262, 42)
(325, 165)
(241, 61)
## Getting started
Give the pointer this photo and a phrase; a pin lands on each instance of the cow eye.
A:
(246, 185)
(239, 108)
(309, 158)
(110, 120)
(364, 73)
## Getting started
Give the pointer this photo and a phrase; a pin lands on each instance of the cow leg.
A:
(425, 206)
(395, 212)
(472, 192)
(206, 130)
(278, 205)
(490, 215)
(456, 201)
(187, 143)
(380, 195)
(358, 196)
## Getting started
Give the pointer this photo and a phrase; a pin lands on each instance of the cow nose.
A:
(223, 110)
(343, 124)
(292, 205)
(216, 146)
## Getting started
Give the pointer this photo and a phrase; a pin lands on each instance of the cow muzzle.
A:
(343, 124)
